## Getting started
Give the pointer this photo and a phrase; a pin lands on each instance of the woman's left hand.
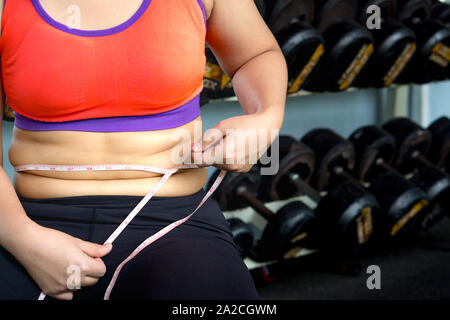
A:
(237, 143)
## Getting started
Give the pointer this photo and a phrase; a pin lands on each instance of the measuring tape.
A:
(167, 173)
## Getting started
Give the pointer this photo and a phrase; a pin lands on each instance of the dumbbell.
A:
(286, 231)
(336, 160)
(212, 79)
(441, 12)
(403, 202)
(344, 214)
(440, 147)
(242, 236)
(301, 43)
(398, 198)
(413, 143)
(395, 45)
(8, 112)
(348, 46)
(431, 60)
(293, 156)
(284, 12)
(216, 83)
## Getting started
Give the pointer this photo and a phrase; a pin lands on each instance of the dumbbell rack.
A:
(257, 223)
(408, 100)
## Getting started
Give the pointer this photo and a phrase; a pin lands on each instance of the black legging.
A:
(197, 260)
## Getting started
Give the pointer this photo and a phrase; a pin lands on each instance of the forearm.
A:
(261, 84)
(14, 222)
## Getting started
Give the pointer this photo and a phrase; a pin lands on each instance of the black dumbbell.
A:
(301, 43)
(293, 157)
(414, 11)
(284, 12)
(8, 112)
(395, 45)
(212, 79)
(413, 143)
(399, 199)
(242, 236)
(348, 46)
(404, 203)
(431, 60)
(344, 213)
(440, 147)
(286, 230)
(441, 12)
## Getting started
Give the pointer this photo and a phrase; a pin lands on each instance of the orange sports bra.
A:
(151, 64)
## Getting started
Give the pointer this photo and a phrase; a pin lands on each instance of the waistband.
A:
(114, 208)
(108, 211)
(116, 201)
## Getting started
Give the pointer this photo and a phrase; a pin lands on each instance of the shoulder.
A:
(207, 4)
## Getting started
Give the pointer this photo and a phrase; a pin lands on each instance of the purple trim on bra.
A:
(160, 121)
(200, 3)
(90, 33)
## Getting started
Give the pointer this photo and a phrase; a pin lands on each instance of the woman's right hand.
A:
(47, 255)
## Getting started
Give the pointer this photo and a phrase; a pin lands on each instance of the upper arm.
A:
(237, 33)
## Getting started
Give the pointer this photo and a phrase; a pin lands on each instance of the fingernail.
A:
(107, 245)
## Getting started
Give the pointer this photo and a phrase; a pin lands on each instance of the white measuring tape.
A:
(108, 167)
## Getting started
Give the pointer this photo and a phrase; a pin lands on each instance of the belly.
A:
(153, 148)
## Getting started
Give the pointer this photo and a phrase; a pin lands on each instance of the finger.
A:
(213, 154)
(88, 281)
(240, 168)
(225, 167)
(210, 138)
(68, 295)
(95, 250)
(228, 167)
(96, 268)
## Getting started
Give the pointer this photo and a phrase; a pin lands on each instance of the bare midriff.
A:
(150, 148)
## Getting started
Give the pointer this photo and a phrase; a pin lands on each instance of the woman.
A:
(92, 84)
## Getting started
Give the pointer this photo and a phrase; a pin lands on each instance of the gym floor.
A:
(415, 268)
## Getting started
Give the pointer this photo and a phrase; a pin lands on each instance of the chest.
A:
(90, 14)
(152, 58)
(94, 15)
